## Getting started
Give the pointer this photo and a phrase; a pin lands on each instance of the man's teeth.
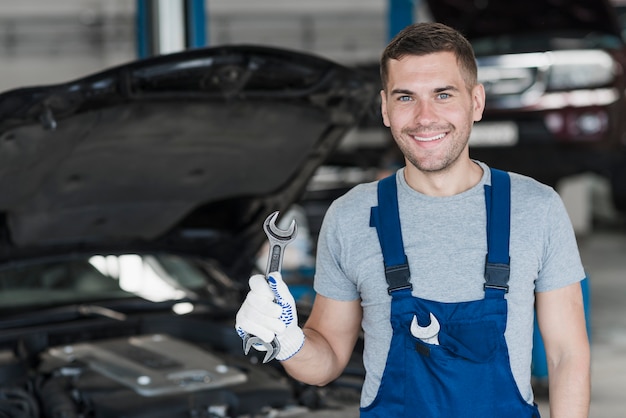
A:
(430, 138)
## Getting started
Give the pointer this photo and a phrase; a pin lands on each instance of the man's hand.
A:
(270, 310)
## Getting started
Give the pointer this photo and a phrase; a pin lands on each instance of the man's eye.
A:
(404, 98)
(443, 96)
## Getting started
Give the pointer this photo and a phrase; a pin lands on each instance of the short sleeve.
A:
(331, 279)
(561, 264)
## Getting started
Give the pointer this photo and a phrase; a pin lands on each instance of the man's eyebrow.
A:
(401, 91)
(446, 88)
(436, 90)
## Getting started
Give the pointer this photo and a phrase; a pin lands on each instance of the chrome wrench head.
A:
(278, 240)
(428, 334)
(271, 349)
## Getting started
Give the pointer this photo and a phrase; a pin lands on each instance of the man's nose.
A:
(424, 113)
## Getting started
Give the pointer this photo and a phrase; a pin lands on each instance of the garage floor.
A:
(604, 255)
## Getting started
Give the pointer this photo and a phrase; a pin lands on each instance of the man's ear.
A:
(478, 99)
(383, 108)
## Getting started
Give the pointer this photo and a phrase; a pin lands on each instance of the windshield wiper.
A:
(65, 313)
(95, 310)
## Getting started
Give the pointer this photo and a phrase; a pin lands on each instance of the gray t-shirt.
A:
(445, 243)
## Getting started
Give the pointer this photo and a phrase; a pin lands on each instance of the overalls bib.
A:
(464, 370)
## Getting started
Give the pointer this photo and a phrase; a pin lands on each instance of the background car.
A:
(131, 211)
(555, 78)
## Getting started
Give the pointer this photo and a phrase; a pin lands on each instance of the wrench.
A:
(429, 334)
(278, 240)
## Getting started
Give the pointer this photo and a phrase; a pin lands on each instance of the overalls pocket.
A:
(476, 342)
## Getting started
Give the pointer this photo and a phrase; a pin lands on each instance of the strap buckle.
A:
(398, 277)
(497, 276)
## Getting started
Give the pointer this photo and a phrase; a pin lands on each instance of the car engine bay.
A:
(150, 366)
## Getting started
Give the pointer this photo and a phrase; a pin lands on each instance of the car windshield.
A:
(104, 277)
(546, 41)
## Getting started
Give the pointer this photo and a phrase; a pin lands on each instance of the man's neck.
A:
(461, 176)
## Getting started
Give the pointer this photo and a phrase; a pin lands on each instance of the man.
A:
(420, 263)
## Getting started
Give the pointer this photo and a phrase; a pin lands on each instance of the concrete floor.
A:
(604, 255)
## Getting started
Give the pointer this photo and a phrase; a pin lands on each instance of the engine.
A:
(152, 375)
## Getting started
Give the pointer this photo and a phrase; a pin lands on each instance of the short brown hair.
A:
(427, 38)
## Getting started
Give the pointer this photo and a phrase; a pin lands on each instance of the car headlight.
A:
(580, 69)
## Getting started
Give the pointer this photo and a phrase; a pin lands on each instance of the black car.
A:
(555, 77)
(131, 211)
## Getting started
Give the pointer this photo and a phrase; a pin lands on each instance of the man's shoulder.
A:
(533, 200)
(526, 186)
(352, 209)
(363, 193)
(529, 192)
(523, 185)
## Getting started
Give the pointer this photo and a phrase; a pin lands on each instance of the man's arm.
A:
(561, 318)
(331, 332)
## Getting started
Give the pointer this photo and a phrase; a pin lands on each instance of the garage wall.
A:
(43, 41)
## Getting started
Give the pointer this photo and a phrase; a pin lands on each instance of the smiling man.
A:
(430, 110)
(440, 266)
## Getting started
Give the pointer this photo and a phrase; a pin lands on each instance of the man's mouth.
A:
(428, 138)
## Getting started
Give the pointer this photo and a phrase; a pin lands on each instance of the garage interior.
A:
(43, 42)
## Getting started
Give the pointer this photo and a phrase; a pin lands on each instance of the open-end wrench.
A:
(278, 240)
(428, 334)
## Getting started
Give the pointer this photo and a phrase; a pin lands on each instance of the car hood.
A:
(187, 152)
(477, 19)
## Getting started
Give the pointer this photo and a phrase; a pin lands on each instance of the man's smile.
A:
(429, 138)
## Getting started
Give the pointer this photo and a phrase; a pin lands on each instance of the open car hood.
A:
(477, 19)
(187, 152)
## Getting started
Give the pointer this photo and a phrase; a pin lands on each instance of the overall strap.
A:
(386, 219)
(498, 201)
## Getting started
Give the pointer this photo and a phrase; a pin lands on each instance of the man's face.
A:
(430, 110)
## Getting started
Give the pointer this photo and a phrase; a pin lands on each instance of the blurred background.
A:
(44, 42)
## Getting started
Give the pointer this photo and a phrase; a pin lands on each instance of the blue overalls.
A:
(465, 370)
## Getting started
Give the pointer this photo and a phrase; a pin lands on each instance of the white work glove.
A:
(270, 310)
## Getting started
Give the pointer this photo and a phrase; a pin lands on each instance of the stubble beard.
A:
(433, 162)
